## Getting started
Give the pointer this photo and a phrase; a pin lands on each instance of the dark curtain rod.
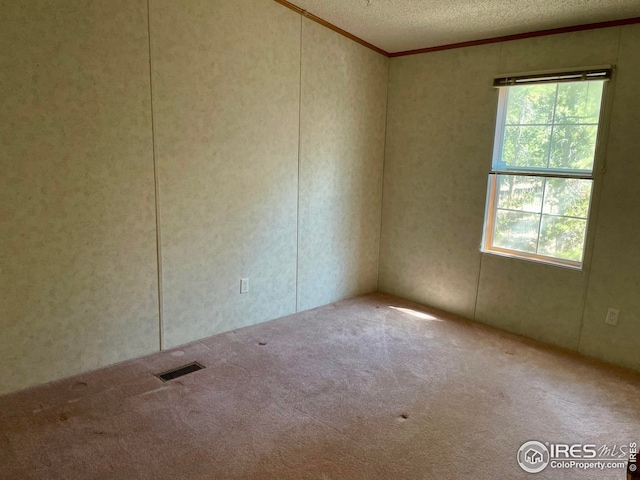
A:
(577, 76)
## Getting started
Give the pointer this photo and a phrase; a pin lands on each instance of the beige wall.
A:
(236, 200)
(344, 93)
(226, 101)
(615, 269)
(239, 184)
(78, 276)
(441, 120)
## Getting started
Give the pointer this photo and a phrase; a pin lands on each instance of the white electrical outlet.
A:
(244, 285)
(612, 316)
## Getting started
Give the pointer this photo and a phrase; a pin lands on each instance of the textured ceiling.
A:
(400, 25)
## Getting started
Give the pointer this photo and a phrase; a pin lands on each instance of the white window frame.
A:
(491, 202)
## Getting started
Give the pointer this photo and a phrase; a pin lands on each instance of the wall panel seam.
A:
(384, 165)
(156, 188)
(299, 155)
(597, 195)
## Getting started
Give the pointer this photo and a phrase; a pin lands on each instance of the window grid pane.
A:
(541, 216)
(562, 237)
(550, 127)
(517, 231)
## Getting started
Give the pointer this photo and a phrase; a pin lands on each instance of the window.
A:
(541, 180)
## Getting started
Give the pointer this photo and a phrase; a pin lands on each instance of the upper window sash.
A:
(499, 165)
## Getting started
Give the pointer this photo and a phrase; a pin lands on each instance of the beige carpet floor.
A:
(375, 387)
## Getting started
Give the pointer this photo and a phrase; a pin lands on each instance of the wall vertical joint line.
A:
(299, 154)
(596, 195)
(156, 188)
(384, 164)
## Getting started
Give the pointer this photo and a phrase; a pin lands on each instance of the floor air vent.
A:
(180, 371)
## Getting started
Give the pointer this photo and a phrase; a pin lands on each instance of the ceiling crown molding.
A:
(331, 26)
(485, 41)
(520, 36)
